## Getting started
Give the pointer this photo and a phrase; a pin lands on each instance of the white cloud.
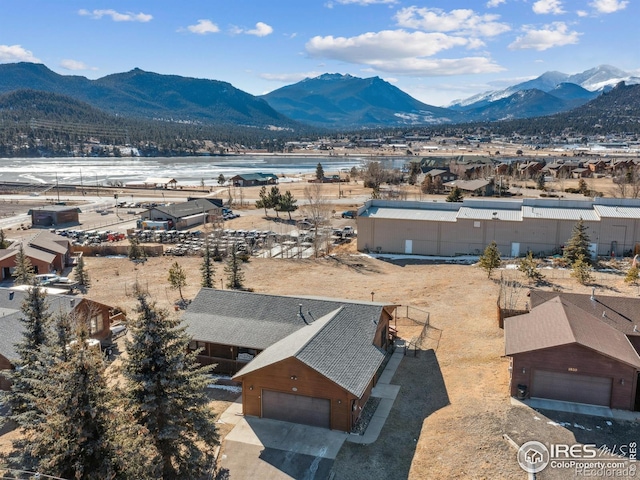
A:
(582, 13)
(609, 6)
(386, 45)
(495, 3)
(261, 30)
(69, 64)
(203, 27)
(463, 21)
(543, 7)
(437, 67)
(117, 16)
(15, 53)
(555, 35)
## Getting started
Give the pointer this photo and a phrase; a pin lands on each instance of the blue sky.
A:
(436, 51)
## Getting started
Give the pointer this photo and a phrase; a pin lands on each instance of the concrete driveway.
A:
(270, 449)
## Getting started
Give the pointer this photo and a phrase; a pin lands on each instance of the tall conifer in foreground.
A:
(206, 268)
(24, 271)
(165, 390)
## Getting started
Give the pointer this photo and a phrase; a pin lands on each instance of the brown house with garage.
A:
(96, 315)
(46, 251)
(54, 215)
(300, 359)
(576, 348)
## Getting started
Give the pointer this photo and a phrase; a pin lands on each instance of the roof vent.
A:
(11, 295)
(593, 293)
(301, 315)
(604, 314)
(635, 328)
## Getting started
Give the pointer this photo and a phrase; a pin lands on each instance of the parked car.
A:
(349, 214)
(50, 278)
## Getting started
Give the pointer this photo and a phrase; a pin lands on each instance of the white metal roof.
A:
(434, 215)
(490, 214)
(610, 211)
(555, 213)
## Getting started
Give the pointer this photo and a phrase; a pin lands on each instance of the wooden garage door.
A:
(570, 387)
(296, 408)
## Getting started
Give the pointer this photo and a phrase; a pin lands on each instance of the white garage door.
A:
(571, 387)
(296, 408)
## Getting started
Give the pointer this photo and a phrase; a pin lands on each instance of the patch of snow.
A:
(458, 259)
(578, 426)
(536, 418)
(608, 423)
(228, 388)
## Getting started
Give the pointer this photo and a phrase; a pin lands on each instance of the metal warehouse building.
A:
(517, 226)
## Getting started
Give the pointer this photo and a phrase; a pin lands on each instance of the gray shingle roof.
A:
(11, 326)
(185, 209)
(258, 321)
(336, 340)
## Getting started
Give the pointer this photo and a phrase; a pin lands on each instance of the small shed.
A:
(54, 215)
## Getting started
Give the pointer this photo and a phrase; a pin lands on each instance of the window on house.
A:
(96, 323)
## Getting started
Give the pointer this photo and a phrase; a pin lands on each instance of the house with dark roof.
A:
(576, 348)
(97, 315)
(46, 251)
(185, 214)
(253, 179)
(300, 359)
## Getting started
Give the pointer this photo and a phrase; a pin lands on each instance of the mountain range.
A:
(329, 101)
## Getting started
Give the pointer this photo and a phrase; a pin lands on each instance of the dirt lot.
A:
(453, 406)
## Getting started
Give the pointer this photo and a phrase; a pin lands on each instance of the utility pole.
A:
(57, 187)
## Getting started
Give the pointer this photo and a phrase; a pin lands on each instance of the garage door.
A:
(296, 408)
(571, 387)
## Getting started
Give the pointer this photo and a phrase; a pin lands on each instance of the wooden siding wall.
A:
(472, 236)
(5, 365)
(586, 361)
(308, 382)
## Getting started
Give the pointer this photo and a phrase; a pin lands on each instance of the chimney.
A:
(593, 293)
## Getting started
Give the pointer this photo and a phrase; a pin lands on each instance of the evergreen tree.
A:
(319, 172)
(632, 275)
(233, 269)
(136, 251)
(264, 201)
(35, 319)
(455, 195)
(177, 278)
(221, 179)
(82, 276)
(274, 198)
(287, 203)
(578, 244)
(490, 259)
(206, 268)
(529, 267)
(540, 183)
(4, 243)
(24, 271)
(581, 270)
(165, 390)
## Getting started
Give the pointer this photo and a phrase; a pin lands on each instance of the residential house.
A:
(253, 179)
(47, 252)
(478, 188)
(444, 175)
(301, 359)
(185, 214)
(576, 348)
(96, 315)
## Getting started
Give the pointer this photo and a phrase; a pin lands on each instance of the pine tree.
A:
(540, 183)
(24, 271)
(632, 275)
(3, 240)
(221, 179)
(136, 252)
(529, 267)
(233, 269)
(36, 319)
(206, 268)
(263, 200)
(82, 276)
(578, 244)
(581, 270)
(177, 278)
(490, 259)
(455, 195)
(319, 172)
(274, 198)
(287, 203)
(165, 390)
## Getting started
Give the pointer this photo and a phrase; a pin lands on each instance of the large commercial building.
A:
(517, 226)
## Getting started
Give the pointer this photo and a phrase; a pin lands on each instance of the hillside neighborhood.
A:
(362, 345)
